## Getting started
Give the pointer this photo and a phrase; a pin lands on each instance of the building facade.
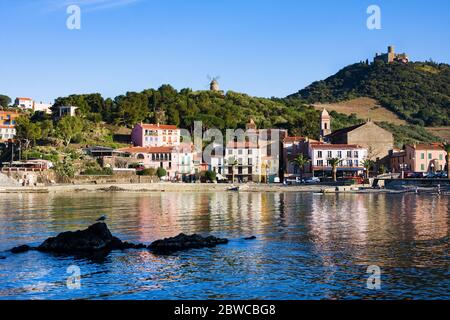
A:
(375, 139)
(30, 104)
(352, 157)
(155, 135)
(7, 124)
(67, 111)
(424, 157)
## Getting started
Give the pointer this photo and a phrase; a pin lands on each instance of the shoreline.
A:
(191, 187)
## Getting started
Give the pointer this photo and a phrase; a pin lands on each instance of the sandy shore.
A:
(184, 187)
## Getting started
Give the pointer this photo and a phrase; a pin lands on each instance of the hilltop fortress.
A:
(391, 56)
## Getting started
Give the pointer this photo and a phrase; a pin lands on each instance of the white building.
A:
(67, 111)
(24, 103)
(248, 161)
(352, 157)
(30, 104)
(42, 107)
(7, 132)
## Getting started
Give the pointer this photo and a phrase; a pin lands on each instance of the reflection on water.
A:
(308, 246)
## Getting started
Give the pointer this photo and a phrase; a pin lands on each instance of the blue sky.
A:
(260, 47)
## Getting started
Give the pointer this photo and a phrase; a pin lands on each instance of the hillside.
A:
(362, 108)
(417, 92)
(182, 108)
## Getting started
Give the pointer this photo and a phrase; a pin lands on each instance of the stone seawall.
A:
(398, 184)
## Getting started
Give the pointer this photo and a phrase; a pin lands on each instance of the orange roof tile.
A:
(158, 127)
(335, 146)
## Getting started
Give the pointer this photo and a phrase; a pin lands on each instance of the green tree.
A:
(210, 175)
(368, 165)
(161, 172)
(68, 128)
(4, 100)
(46, 129)
(300, 161)
(334, 163)
(27, 131)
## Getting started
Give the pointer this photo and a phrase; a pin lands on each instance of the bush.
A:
(147, 172)
(210, 175)
(98, 172)
(161, 172)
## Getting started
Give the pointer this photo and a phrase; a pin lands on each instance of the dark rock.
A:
(94, 239)
(2, 257)
(21, 249)
(184, 242)
(250, 238)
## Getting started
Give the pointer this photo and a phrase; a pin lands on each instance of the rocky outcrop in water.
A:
(98, 239)
(185, 242)
(95, 238)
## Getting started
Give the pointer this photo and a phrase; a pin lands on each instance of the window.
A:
(330, 154)
(319, 154)
(250, 161)
(250, 151)
(339, 154)
(320, 163)
(240, 152)
(356, 163)
(422, 166)
(422, 156)
(356, 154)
(350, 163)
(349, 154)
(429, 156)
(441, 157)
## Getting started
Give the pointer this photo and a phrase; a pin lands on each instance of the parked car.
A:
(295, 180)
(312, 180)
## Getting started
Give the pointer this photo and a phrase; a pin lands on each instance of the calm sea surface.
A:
(308, 246)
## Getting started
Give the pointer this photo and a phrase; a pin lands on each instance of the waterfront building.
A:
(419, 158)
(178, 161)
(352, 157)
(155, 135)
(245, 159)
(292, 147)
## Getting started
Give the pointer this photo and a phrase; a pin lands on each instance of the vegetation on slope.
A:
(418, 92)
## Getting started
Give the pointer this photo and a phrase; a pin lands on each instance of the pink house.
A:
(424, 157)
(155, 135)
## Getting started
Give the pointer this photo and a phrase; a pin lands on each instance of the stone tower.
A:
(325, 123)
(214, 86)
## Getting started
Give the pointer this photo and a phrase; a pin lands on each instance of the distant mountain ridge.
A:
(418, 92)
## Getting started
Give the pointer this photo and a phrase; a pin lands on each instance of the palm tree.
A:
(300, 161)
(447, 149)
(232, 162)
(334, 162)
(368, 164)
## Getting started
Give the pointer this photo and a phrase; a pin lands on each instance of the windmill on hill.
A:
(213, 83)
